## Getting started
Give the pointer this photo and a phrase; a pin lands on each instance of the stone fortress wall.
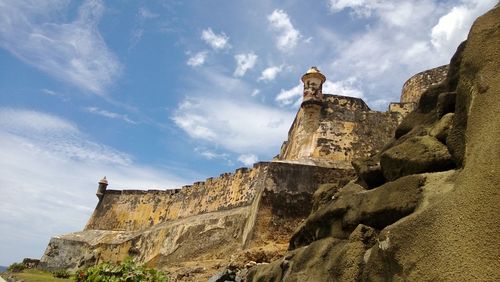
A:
(414, 87)
(130, 210)
(206, 219)
(337, 132)
(417, 84)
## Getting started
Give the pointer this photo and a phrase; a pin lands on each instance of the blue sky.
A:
(157, 94)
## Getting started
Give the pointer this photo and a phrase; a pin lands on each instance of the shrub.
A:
(127, 271)
(16, 267)
(61, 274)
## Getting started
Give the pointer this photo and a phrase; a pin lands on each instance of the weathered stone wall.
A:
(341, 130)
(135, 209)
(204, 221)
(402, 109)
(417, 84)
(281, 210)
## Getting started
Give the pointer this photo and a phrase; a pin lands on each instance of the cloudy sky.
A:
(157, 94)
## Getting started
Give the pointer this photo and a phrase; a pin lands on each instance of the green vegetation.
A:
(16, 267)
(127, 271)
(62, 273)
(36, 275)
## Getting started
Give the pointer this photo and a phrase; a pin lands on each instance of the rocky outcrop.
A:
(352, 206)
(431, 211)
(416, 155)
(420, 82)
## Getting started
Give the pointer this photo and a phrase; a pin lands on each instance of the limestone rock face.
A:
(328, 259)
(427, 226)
(441, 129)
(349, 207)
(369, 171)
(416, 155)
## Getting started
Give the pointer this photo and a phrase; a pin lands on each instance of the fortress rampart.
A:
(130, 210)
(174, 225)
(417, 84)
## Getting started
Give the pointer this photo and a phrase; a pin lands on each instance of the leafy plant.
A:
(16, 267)
(61, 274)
(127, 271)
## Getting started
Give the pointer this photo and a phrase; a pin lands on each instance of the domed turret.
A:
(313, 81)
(103, 184)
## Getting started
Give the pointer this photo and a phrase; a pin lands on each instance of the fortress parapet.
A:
(417, 84)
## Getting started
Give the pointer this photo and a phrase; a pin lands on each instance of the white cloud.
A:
(248, 159)
(108, 114)
(397, 13)
(212, 155)
(288, 36)
(238, 123)
(402, 38)
(135, 36)
(382, 104)
(209, 154)
(416, 50)
(270, 73)
(48, 176)
(145, 13)
(255, 92)
(32, 122)
(195, 125)
(237, 126)
(198, 59)
(73, 52)
(362, 8)
(290, 96)
(244, 62)
(453, 27)
(49, 92)
(216, 41)
(346, 87)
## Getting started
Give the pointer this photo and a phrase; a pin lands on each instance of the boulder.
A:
(429, 98)
(442, 127)
(328, 259)
(386, 204)
(369, 171)
(445, 103)
(377, 208)
(415, 122)
(416, 155)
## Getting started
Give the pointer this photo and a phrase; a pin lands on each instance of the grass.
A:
(36, 275)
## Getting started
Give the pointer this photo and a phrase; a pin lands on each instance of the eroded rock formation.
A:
(426, 207)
